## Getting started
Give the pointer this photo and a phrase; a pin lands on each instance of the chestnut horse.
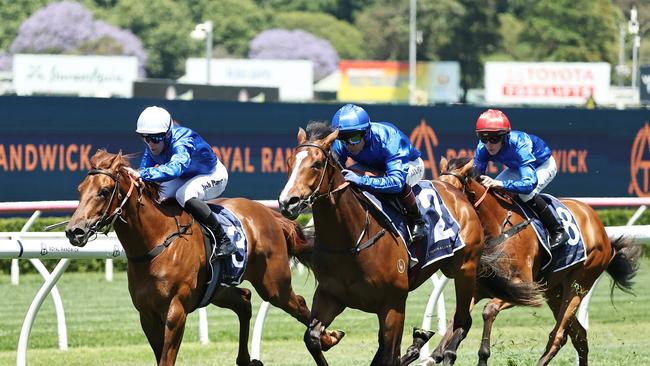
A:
(166, 286)
(565, 288)
(361, 264)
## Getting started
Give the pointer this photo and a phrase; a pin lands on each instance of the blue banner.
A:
(47, 142)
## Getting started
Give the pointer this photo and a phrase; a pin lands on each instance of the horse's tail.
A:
(624, 264)
(495, 275)
(300, 244)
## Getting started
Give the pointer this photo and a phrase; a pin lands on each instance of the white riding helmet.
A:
(154, 120)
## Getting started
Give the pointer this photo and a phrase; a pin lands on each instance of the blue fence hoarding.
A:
(46, 142)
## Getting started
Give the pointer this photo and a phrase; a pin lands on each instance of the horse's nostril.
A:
(292, 201)
(78, 232)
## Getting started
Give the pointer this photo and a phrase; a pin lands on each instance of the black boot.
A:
(418, 227)
(556, 231)
(201, 212)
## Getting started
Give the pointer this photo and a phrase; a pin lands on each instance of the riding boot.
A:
(556, 231)
(418, 227)
(201, 212)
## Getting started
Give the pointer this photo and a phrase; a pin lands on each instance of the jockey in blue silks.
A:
(382, 147)
(186, 168)
(530, 166)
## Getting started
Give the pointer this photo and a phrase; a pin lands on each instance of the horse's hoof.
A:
(422, 334)
(411, 355)
(256, 363)
(449, 359)
(337, 335)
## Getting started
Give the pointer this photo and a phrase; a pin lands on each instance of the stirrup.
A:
(418, 231)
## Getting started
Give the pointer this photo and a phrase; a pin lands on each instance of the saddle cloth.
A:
(566, 254)
(227, 271)
(443, 230)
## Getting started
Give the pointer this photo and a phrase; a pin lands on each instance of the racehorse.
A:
(361, 264)
(565, 288)
(167, 281)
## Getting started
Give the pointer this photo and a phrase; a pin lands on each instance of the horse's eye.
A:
(317, 165)
(103, 193)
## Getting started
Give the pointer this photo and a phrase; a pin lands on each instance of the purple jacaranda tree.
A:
(282, 44)
(6, 61)
(68, 27)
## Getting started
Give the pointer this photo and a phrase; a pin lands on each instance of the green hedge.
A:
(610, 217)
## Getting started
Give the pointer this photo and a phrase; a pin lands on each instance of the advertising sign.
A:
(47, 142)
(97, 76)
(553, 83)
(388, 81)
(294, 78)
(644, 85)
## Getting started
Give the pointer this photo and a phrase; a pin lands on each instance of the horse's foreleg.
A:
(565, 312)
(578, 336)
(174, 328)
(391, 326)
(154, 329)
(490, 312)
(324, 309)
(238, 300)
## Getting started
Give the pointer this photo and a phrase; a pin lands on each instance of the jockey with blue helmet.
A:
(382, 147)
(529, 161)
(186, 168)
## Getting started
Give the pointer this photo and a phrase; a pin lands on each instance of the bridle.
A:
(101, 225)
(316, 194)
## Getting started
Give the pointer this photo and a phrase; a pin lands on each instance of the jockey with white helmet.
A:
(530, 166)
(186, 167)
(382, 147)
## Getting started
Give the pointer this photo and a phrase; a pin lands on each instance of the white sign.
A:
(99, 76)
(293, 78)
(567, 83)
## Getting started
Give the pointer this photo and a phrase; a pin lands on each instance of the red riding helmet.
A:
(493, 121)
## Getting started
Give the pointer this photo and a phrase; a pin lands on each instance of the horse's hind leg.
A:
(464, 283)
(238, 300)
(575, 330)
(572, 293)
(490, 312)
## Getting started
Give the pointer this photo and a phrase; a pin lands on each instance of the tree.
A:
(163, 27)
(282, 44)
(571, 30)
(13, 13)
(68, 27)
(346, 39)
(236, 22)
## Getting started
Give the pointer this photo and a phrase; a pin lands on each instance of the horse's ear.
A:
(117, 161)
(467, 168)
(444, 164)
(330, 138)
(302, 136)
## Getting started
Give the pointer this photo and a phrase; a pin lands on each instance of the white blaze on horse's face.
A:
(299, 157)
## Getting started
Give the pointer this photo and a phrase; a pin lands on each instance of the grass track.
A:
(103, 328)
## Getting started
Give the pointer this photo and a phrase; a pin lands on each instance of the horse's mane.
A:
(115, 162)
(318, 130)
(457, 163)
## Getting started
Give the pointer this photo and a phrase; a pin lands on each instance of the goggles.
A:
(156, 139)
(492, 139)
(352, 138)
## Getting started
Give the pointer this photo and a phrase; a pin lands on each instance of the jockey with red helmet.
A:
(382, 147)
(530, 166)
(186, 167)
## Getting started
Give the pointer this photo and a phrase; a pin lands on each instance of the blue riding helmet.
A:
(350, 118)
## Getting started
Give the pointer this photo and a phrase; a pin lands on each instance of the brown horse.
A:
(167, 281)
(361, 264)
(565, 288)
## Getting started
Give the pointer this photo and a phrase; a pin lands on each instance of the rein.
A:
(316, 195)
